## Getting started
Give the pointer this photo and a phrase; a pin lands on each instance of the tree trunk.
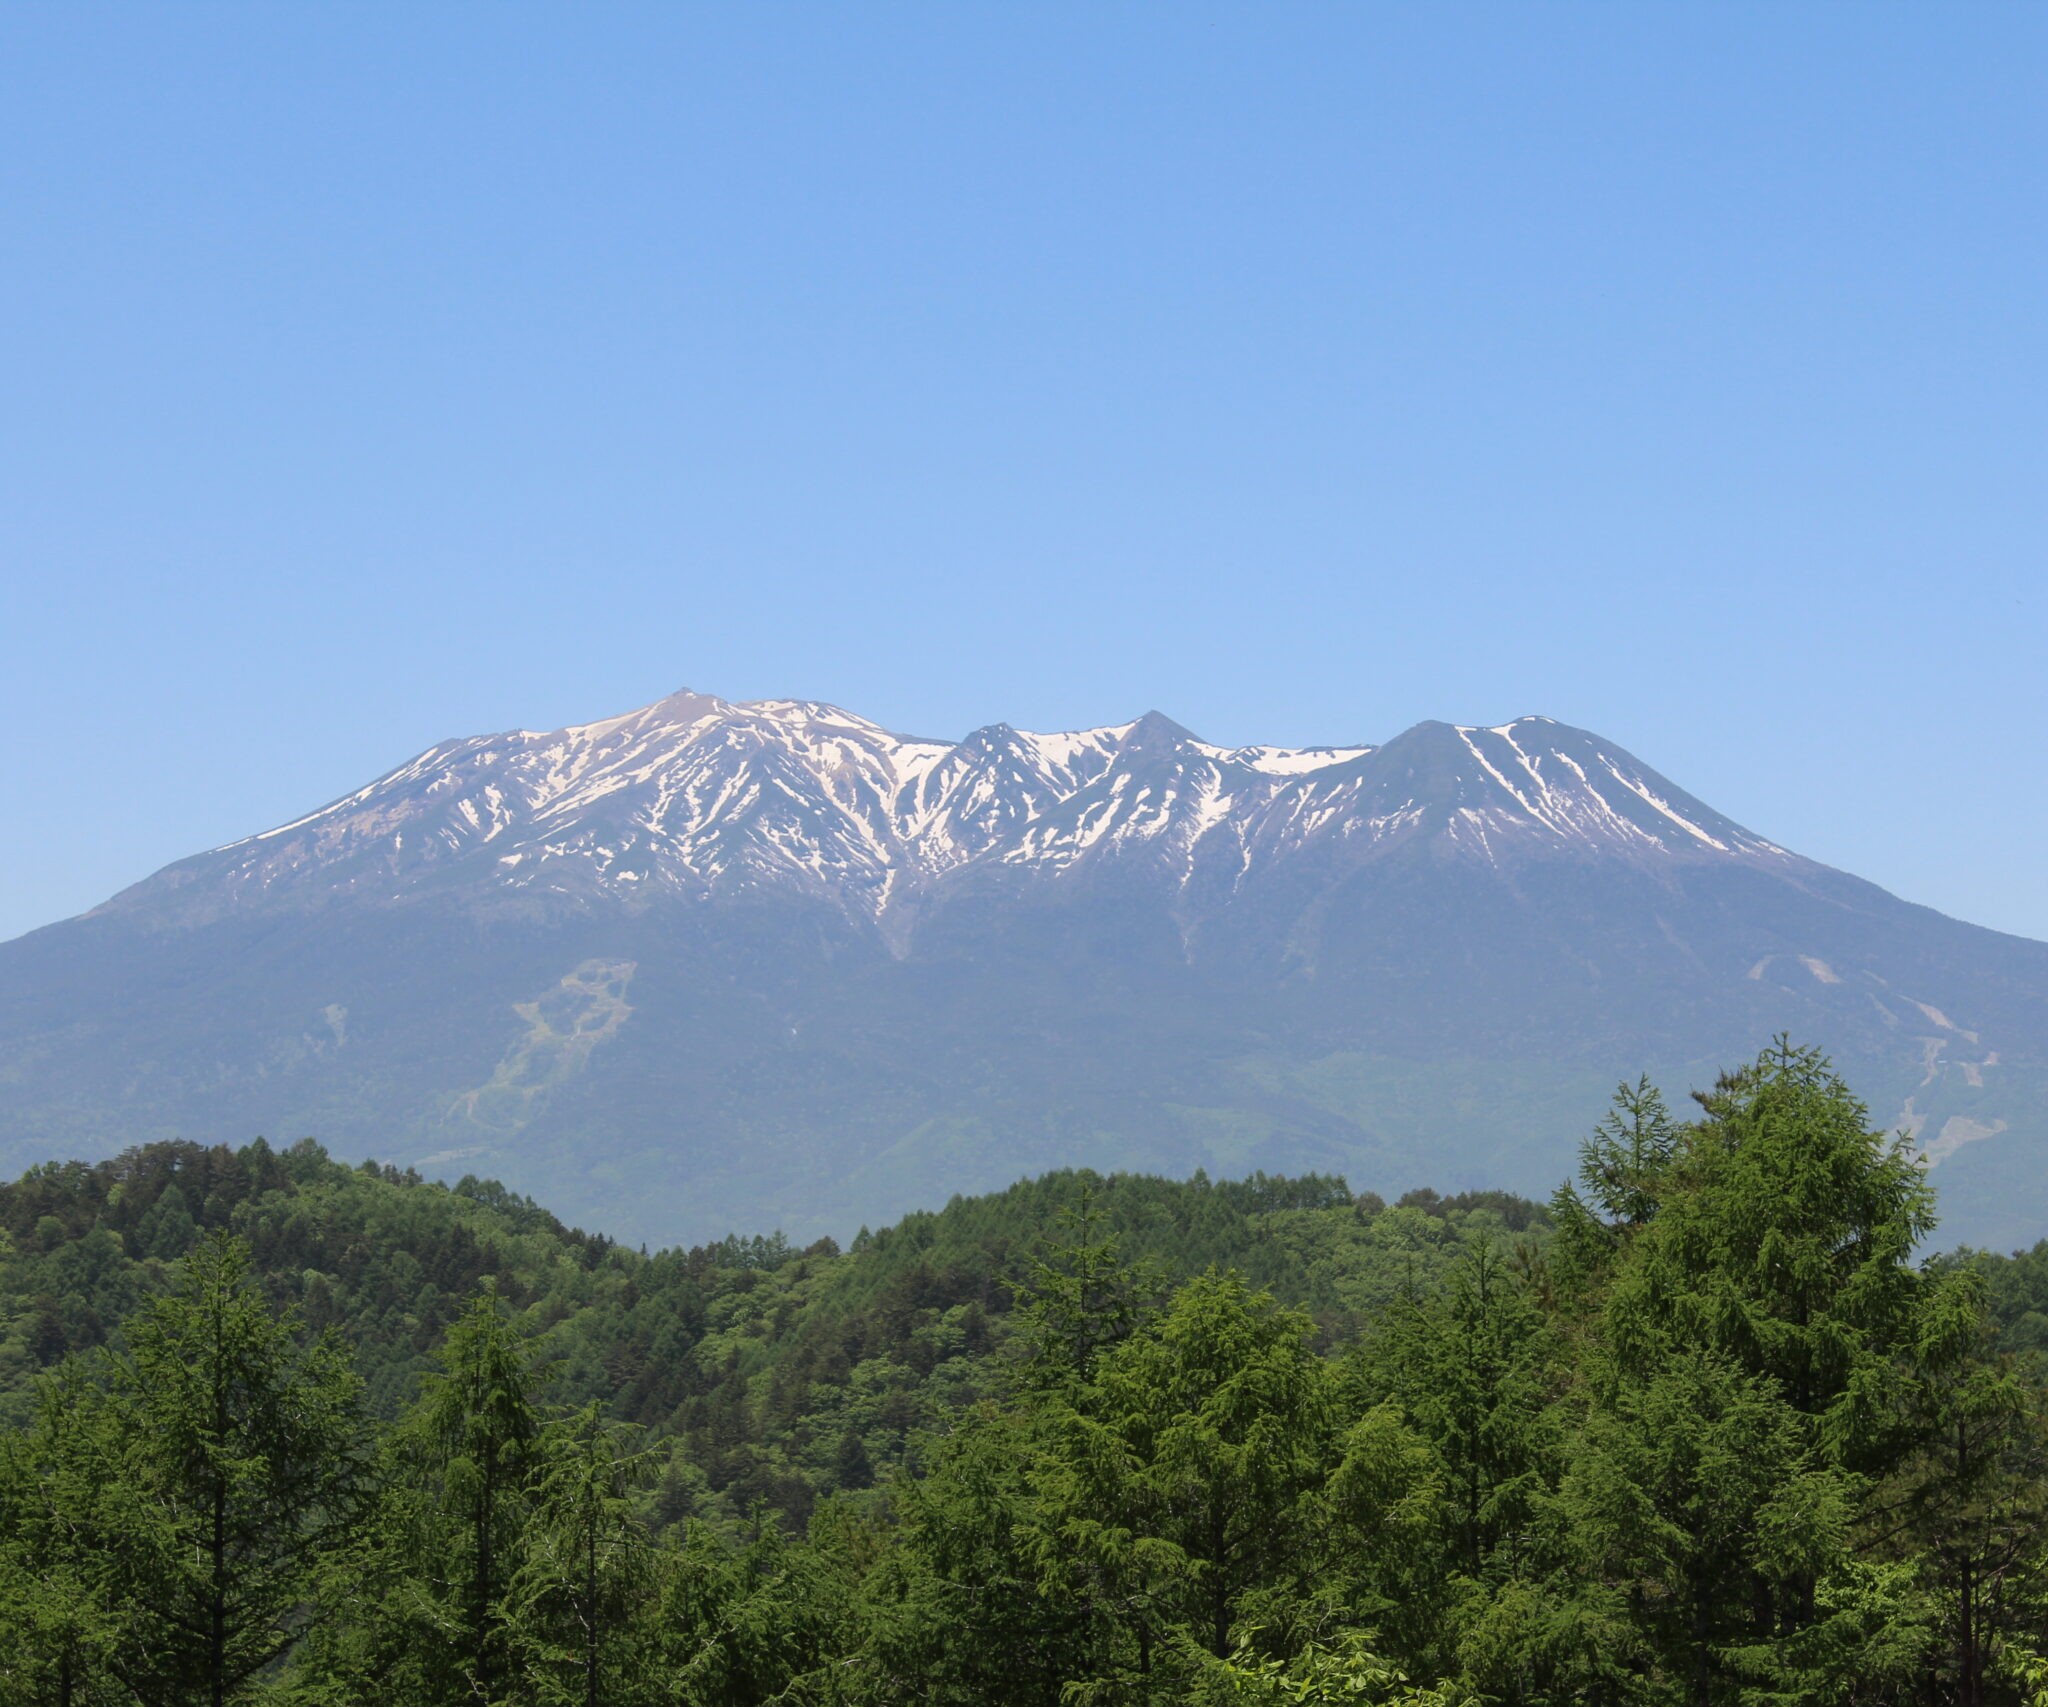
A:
(590, 1631)
(1969, 1682)
(217, 1635)
(1702, 1677)
(480, 1589)
(217, 1585)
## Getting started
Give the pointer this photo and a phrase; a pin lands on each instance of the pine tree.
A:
(1785, 1238)
(1389, 1510)
(1677, 1480)
(1624, 1169)
(419, 1612)
(1080, 1299)
(1624, 1163)
(1324, 1674)
(960, 1612)
(1475, 1370)
(769, 1620)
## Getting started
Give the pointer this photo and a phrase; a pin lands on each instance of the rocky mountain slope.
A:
(698, 799)
(713, 964)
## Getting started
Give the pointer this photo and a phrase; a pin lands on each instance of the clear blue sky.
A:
(374, 374)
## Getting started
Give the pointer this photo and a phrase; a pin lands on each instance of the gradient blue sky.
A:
(374, 374)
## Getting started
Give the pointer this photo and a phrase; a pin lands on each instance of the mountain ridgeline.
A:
(711, 964)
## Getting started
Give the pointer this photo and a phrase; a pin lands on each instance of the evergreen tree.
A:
(470, 1447)
(1711, 1435)
(1624, 1169)
(1475, 1369)
(1624, 1163)
(168, 1231)
(1080, 1299)
(1389, 1510)
(235, 1458)
(60, 1632)
(1182, 1489)
(419, 1612)
(1691, 1498)
(959, 1611)
(1968, 1509)
(580, 1594)
(1323, 1674)
(1784, 1237)
(1751, 1381)
(766, 1620)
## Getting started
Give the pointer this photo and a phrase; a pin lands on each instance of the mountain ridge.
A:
(713, 963)
(693, 793)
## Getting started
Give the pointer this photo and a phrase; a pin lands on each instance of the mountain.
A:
(713, 964)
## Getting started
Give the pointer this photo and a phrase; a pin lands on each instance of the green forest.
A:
(1715, 1424)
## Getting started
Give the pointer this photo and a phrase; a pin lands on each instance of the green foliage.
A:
(168, 1519)
(969, 1605)
(1176, 1489)
(60, 1635)
(1708, 1432)
(1321, 1675)
(1625, 1162)
(576, 1601)
(754, 1371)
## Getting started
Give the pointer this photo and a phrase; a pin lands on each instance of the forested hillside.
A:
(1709, 1427)
(779, 1372)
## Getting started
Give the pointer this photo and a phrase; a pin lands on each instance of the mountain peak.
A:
(1155, 732)
(771, 953)
(694, 797)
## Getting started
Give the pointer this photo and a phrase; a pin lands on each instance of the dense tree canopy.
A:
(1710, 1428)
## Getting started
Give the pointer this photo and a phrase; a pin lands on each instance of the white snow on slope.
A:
(695, 794)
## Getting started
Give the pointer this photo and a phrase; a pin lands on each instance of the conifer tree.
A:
(577, 1602)
(1785, 1238)
(236, 1465)
(1749, 1382)
(1624, 1169)
(1677, 1482)
(471, 1447)
(1323, 1674)
(1474, 1370)
(1623, 1163)
(1718, 1437)
(1389, 1512)
(768, 1620)
(960, 1612)
(1968, 1508)
(1079, 1300)
(1186, 1469)
(59, 1630)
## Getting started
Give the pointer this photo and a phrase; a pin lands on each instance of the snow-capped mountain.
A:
(715, 965)
(694, 797)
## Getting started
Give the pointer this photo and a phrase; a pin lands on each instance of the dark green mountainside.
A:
(1702, 1431)
(1706, 1430)
(782, 1373)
